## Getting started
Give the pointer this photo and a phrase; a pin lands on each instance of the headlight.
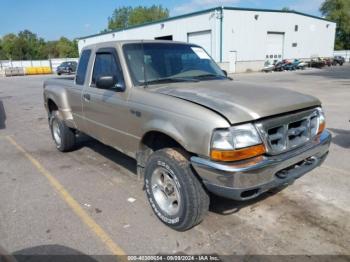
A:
(245, 135)
(236, 143)
(222, 139)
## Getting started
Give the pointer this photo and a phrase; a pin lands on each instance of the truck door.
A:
(75, 92)
(106, 110)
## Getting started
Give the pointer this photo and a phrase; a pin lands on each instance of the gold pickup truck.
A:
(192, 129)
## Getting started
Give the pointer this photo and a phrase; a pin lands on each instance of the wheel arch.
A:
(156, 139)
(51, 105)
(56, 99)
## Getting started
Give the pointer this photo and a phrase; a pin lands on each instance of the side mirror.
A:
(225, 72)
(105, 82)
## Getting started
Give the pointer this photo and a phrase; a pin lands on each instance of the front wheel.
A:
(174, 192)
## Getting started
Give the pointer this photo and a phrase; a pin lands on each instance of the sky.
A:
(51, 19)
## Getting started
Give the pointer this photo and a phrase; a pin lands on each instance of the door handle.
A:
(86, 97)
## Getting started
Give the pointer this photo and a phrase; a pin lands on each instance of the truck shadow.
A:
(341, 137)
(109, 153)
(225, 207)
(218, 205)
(2, 116)
(47, 253)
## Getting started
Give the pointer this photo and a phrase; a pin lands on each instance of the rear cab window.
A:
(82, 67)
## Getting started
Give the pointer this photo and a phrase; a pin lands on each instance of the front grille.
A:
(287, 132)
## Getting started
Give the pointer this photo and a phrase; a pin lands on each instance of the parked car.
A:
(317, 63)
(288, 65)
(284, 65)
(279, 66)
(191, 129)
(68, 67)
(328, 61)
(299, 64)
(338, 60)
(268, 67)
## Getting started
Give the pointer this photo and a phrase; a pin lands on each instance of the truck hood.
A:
(236, 101)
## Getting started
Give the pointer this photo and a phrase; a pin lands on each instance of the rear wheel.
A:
(63, 136)
(174, 192)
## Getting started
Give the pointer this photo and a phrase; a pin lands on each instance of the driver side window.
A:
(106, 65)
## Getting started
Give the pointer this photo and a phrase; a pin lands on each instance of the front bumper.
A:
(247, 179)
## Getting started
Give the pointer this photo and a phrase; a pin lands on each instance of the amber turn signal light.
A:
(321, 127)
(239, 154)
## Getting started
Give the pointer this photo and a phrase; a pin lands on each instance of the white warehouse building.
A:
(239, 39)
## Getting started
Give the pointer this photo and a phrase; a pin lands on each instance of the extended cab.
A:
(190, 127)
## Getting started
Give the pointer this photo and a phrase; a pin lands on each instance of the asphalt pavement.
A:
(91, 202)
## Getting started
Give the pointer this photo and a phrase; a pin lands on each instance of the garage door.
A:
(275, 42)
(202, 39)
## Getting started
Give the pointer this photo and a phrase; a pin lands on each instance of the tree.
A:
(124, 17)
(9, 42)
(27, 46)
(120, 18)
(339, 12)
(41, 49)
(2, 53)
(50, 49)
(30, 46)
(67, 48)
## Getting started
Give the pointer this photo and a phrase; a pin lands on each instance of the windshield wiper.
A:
(209, 76)
(170, 80)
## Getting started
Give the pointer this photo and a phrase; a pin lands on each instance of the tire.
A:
(174, 192)
(63, 136)
(59, 74)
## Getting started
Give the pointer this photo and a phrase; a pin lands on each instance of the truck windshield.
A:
(154, 63)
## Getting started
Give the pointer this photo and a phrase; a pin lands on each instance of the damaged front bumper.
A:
(250, 178)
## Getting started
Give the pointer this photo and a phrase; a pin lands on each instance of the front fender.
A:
(166, 128)
(189, 124)
(192, 135)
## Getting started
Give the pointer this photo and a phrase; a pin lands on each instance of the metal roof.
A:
(203, 12)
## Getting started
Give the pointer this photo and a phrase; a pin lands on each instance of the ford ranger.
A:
(191, 129)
